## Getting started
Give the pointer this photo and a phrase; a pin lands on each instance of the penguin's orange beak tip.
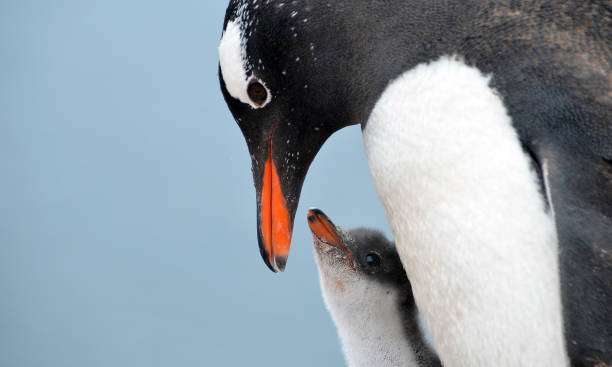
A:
(322, 227)
(325, 230)
(275, 224)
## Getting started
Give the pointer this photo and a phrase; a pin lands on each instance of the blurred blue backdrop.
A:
(127, 209)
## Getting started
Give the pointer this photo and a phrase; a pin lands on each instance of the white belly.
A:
(470, 225)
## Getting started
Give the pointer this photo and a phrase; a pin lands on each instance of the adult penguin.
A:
(487, 129)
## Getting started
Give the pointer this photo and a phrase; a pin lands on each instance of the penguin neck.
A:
(377, 324)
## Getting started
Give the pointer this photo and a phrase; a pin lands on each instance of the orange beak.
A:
(275, 223)
(322, 227)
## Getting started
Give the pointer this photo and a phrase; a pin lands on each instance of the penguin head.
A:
(293, 73)
(354, 255)
(285, 103)
(360, 272)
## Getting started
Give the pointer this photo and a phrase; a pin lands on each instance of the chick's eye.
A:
(257, 92)
(372, 259)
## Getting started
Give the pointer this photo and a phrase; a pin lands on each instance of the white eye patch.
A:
(233, 60)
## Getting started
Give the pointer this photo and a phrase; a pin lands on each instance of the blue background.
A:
(127, 208)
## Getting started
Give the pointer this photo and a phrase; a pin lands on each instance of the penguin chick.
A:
(368, 295)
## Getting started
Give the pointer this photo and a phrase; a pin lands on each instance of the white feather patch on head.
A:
(233, 63)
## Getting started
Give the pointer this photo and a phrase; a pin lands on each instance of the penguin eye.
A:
(257, 92)
(372, 259)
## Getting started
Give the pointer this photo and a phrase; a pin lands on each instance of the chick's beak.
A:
(325, 230)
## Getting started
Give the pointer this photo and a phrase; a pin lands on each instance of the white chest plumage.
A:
(470, 225)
